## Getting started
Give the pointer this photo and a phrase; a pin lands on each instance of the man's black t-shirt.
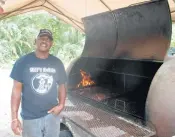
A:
(40, 79)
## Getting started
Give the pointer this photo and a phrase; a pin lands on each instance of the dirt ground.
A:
(5, 92)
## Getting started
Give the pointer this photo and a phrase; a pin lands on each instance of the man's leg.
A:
(52, 126)
(33, 128)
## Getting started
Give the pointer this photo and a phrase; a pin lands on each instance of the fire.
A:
(86, 80)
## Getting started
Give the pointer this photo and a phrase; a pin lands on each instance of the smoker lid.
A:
(138, 32)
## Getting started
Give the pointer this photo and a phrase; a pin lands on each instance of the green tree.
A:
(17, 36)
(173, 36)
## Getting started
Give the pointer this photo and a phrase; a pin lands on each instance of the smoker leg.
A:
(65, 133)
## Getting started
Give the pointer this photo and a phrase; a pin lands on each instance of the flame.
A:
(86, 80)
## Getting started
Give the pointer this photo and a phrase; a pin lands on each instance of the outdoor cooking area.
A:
(108, 84)
(108, 95)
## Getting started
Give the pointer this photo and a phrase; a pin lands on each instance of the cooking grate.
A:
(104, 124)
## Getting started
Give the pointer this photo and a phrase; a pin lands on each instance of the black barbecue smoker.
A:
(108, 84)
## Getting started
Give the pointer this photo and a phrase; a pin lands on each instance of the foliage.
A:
(17, 35)
(171, 50)
(173, 36)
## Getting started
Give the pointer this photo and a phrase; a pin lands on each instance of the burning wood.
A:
(86, 80)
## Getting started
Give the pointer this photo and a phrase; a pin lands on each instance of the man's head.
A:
(44, 40)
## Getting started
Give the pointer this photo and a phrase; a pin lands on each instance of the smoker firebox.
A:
(124, 48)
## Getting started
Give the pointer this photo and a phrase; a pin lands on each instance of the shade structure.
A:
(70, 11)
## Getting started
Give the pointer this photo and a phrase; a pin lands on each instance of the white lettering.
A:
(45, 70)
(49, 70)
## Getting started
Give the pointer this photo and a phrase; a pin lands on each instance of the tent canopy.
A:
(70, 11)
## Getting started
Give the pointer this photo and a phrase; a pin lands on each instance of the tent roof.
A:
(70, 11)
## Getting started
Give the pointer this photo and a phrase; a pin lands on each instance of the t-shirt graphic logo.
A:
(42, 82)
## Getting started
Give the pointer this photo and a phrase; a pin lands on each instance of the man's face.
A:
(43, 43)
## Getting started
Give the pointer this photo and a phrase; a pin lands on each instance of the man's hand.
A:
(16, 127)
(62, 96)
(56, 110)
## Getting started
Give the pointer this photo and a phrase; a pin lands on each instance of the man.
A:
(39, 84)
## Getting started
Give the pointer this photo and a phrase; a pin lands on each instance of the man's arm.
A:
(62, 95)
(62, 78)
(15, 102)
(15, 99)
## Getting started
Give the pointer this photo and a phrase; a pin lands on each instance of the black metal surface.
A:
(101, 35)
(127, 79)
(112, 71)
(65, 133)
(138, 32)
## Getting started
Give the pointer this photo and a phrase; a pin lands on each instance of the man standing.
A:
(39, 84)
